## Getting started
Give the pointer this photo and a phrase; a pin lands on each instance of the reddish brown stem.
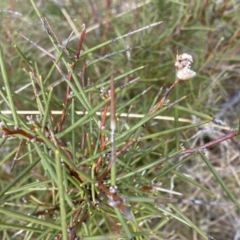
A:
(125, 147)
(80, 43)
(9, 132)
(211, 143)
(66, 101)
(73, 173)
(67, 95)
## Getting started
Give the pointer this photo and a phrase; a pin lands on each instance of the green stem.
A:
(61, 192)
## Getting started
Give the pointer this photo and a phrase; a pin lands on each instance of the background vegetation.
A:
(55, 180)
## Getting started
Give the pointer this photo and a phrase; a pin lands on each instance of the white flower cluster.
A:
(183, 65)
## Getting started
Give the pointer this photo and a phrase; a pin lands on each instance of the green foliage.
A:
(62, 158)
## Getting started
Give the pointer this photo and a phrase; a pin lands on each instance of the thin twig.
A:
(68, 90)
(211, 143)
